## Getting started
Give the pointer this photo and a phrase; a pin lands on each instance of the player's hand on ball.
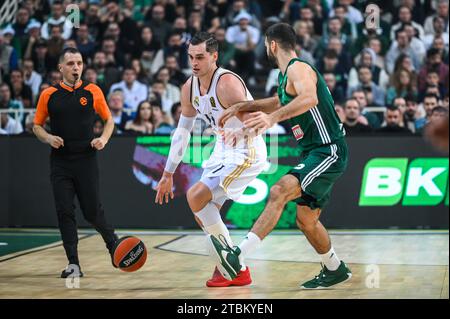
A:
(55, 141)
(98, 143)
(164, 189)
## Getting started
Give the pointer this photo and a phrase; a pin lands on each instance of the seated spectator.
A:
(354, 124)
(306, 40)
(333, 30)
(392, 123)
(15, 106)
(430, 102)
(158, 92)
(8, 56)
(366, 84)
(31, 78)
(107, 75)
(244, 37)
(134, 91)
(344, 57)
(99, 125)
(402, 83)
(400, 103)
(84, 44)
(114, 55)
(401, 45)
(116, 106)
(368, 58)
(20, 91)
(172, 93)
(58, 19)
(174, 47)
(405, 17)
(141, 74)
(432, 85)
(413, 117)
(337, 92)
(329, 63)
(442, 12)
(142, 124)
(160, 27)
(177, 77)
(55, 44)
(176, 113)
(9, 125)
(434, 62)
(353, 15)
(147, 45)
(226, 50)
(439, 33)
(372, 119)
(161, 122)
(416, 44)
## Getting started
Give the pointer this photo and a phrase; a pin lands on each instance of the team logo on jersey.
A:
(213, 102)
(298, 133)
(83, 101)
(197, 101)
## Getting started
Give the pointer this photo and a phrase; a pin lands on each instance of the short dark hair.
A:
(431, 95)
(204, 37)
(432, 51)
(67, 50)
(174, 108)
(439, 109)
(283, 34)
(410, 98)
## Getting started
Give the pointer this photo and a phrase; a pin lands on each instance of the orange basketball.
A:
(130, 254)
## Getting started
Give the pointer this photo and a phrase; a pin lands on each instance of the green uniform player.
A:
(305, 100)
(320, 136)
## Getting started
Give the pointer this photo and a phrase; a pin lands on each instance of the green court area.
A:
(17, 241)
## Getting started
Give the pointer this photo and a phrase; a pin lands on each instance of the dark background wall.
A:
(26, 196)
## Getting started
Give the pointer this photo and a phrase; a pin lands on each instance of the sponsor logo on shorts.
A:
(298, 133)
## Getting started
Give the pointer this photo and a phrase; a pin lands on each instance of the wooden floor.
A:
(384, 265)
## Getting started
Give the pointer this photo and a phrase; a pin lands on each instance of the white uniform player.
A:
(231, 168)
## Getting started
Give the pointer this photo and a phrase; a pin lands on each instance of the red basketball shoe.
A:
(243, 279)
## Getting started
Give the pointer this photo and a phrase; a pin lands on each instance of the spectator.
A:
(405, 17)
(439, 45)
(174, 47)
(161, 28)
(180, 26)
(367, 59)
(416, 44)
(176, 113)
(353, 14)
(392, 123)
(442, 12)
(41, 58)
(158, 93)
(244, 37)
(403, 82)
(141, 74)
(9, 125)
(31, 77)
(404, 62)
(116, 106)
(20, 29)
(434, 62)
(432, 84)
(438, 114)
(413, 118)
(171, 92)
(54, 77)
(307, 41)
(15, 106)
(161, 122)
(8, 56)
(114, 57)
(401, 45)
(99, 125)
(57, 19)
(177, 77)
(107, 75)
(344, 57)
(55, 45)
(372, 119)
(142, 124)
(329, 63)
(337, 92)
(366, 84)
(134, 91)
(226, 50)
(85, 45)
(348, 28)
(430, 101)
(334, 30)
(445, 101)
(147, 43)
(439, 32)
(400, 103)
(33, 32)
(352, 124)
(235, 9)
(20, 91)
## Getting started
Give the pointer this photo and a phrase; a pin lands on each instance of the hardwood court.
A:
(385, 264)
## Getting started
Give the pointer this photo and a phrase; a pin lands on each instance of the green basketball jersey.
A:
(321, 124)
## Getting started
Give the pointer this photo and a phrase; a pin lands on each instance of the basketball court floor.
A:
(385, 264)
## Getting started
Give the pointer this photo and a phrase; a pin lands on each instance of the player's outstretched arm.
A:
(178, 146)
(304, 82)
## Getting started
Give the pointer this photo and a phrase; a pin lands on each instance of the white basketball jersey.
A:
(209, 106)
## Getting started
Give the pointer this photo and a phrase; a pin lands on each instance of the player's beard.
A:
(272, 59)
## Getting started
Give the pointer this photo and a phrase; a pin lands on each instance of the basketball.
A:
(130, 254)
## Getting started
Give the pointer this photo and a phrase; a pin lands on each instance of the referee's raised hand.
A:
(55, 141)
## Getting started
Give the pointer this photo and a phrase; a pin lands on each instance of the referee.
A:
(72, 106)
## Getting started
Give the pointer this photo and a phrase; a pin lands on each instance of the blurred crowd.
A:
(386, 65)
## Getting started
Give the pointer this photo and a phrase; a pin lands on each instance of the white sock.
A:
(249, 244)
(213, 224)
(331, 260)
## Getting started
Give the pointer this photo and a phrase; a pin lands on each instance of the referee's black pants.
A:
(79, 177)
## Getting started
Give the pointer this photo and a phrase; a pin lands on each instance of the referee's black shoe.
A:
(72, 270)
